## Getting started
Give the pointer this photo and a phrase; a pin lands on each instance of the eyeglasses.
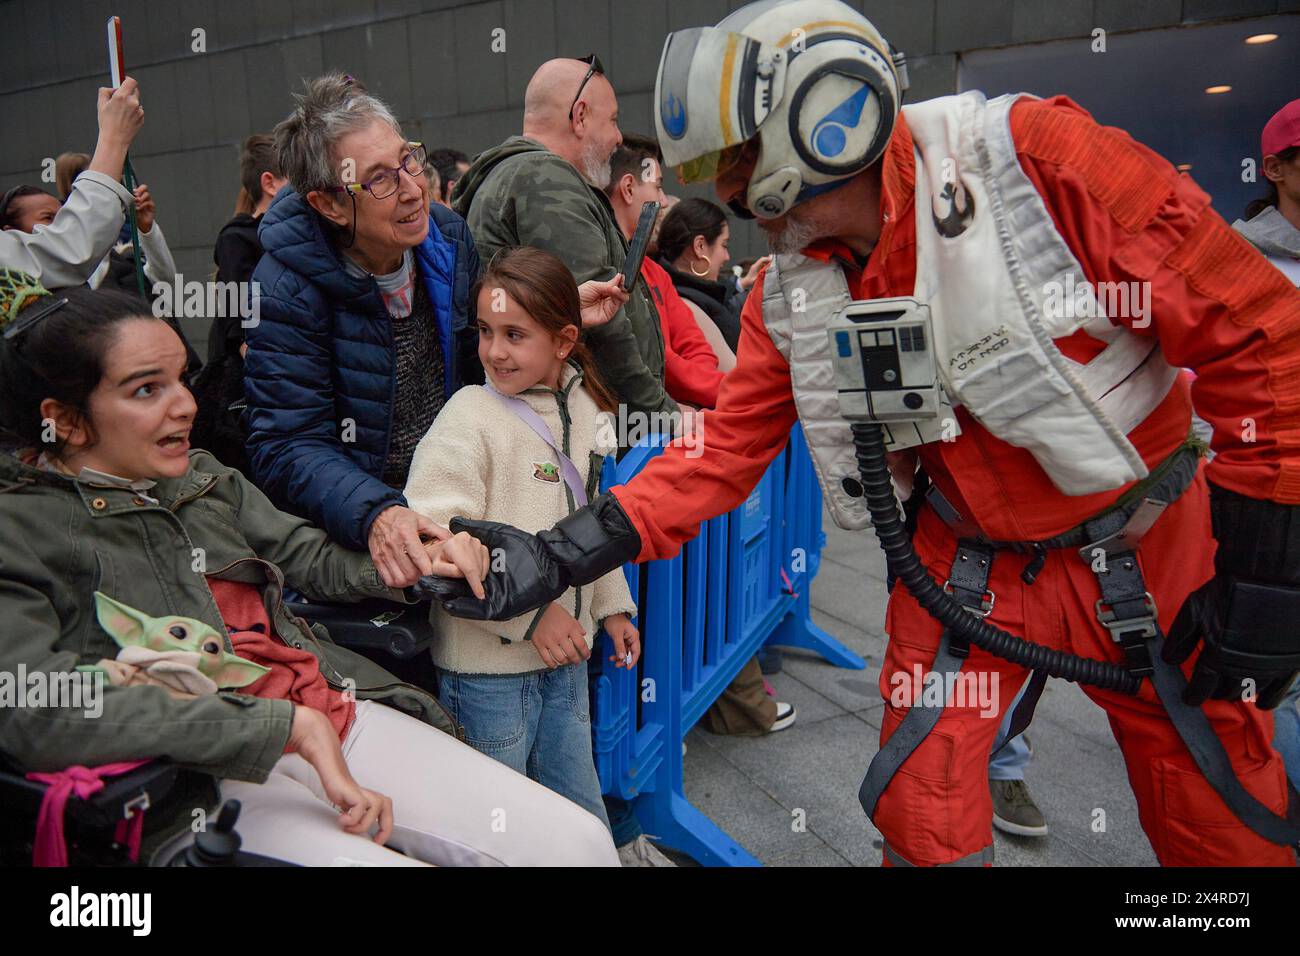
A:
(595, 67)
(385, 183)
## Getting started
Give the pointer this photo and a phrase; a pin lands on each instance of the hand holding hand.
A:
(529, 571)
(396, 548)
(528, 577)
(460, 556)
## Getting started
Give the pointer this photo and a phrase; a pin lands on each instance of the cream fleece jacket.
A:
(479, 460)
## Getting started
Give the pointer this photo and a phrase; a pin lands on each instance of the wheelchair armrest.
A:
(402, 631)
(135, 789)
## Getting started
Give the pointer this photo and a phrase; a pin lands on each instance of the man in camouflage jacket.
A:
(544, 189)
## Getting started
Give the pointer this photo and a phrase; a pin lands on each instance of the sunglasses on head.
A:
(594, 66)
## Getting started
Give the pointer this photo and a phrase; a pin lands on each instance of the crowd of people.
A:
(437, 337)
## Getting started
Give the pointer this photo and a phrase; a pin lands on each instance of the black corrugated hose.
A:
(869, 443)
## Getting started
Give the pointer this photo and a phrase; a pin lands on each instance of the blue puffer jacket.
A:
(319, 375)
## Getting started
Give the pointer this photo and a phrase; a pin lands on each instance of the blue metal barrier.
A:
(741, 583)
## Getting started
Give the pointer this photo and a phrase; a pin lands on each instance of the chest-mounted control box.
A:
(883, 353)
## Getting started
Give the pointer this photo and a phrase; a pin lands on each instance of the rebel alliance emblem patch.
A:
(960, 210)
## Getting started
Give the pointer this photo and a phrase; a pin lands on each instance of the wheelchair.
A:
(394, 636)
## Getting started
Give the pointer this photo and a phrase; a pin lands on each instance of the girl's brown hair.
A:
(243, 203)
(544, 288)
(66, 169)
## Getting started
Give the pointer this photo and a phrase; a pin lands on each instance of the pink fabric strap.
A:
(51, 849)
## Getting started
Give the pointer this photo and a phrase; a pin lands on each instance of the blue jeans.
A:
(1009, 763)
(537, 724)
(1286, 733)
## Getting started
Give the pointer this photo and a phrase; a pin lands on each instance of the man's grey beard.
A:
(797, 234)
(596, 170)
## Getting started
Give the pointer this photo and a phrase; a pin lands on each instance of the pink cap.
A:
(1282, 131)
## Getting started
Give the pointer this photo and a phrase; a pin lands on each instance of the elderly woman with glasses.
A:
(364, 326)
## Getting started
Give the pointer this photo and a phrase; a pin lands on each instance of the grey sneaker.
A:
(1014, 810)
(641, 852)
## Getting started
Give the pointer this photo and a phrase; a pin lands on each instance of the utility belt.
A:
(1107, 542)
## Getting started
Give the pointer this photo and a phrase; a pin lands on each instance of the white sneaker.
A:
(641, 852)
(784, 717)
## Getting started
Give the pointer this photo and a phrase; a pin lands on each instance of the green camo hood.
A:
(483, 165)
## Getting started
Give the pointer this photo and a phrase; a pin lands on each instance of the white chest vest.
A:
(1001, 284)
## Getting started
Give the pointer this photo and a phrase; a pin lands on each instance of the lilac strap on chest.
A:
(528, 415)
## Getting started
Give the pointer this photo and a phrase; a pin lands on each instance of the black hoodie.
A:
(236, 255)
(720, 301)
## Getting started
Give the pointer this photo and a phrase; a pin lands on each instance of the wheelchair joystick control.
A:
(219, 845)
(215, 846)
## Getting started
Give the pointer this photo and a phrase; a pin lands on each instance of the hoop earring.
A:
(700, 274)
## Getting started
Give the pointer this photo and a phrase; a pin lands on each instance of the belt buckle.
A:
(1127, 537)
(985, 607)
(1132, 634)
(1143, 626)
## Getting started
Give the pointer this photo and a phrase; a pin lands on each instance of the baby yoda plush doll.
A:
(183, 655)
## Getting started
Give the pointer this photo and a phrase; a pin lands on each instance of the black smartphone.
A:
(636, 248)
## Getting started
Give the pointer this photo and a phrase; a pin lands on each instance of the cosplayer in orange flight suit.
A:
(1216, 306)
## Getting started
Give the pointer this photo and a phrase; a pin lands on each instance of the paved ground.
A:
(755, 788)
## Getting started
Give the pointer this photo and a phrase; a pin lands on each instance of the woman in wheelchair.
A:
(334, 760)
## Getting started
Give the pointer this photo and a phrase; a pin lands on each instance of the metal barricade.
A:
(741, 583)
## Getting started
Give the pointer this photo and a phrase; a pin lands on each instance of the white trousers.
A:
(452, 806)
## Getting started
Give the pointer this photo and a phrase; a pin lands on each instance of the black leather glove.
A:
(1248, 614)
(528, 571)
(521, 577)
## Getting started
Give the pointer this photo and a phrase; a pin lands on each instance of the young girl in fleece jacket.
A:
(525, 450)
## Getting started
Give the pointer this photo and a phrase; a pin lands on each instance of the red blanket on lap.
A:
(295, 674)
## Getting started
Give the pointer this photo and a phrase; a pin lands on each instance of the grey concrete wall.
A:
(432, 60)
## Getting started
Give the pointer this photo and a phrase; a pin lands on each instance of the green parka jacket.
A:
(62, 539)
